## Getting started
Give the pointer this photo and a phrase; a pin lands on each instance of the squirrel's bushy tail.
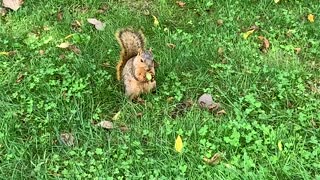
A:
(131, 42)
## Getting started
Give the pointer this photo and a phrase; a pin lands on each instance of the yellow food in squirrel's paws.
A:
(148, 76)
(136, 67)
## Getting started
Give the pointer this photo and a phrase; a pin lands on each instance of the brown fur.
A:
(131, 43)
(134, 63)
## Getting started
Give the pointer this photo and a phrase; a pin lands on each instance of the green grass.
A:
(267, 96)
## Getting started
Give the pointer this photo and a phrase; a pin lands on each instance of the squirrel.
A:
(136, 67)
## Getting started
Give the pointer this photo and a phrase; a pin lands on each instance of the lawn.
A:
(258, 59)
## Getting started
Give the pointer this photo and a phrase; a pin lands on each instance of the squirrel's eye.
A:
(141, 60)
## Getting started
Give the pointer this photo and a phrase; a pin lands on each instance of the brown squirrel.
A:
(136, 66)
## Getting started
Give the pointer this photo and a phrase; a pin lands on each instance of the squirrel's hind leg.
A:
(132, 91)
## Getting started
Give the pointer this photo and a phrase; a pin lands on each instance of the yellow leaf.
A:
(311, 18)
(247, 34)
(69, 36)
(155, 21)
(276, 1)
(280, 146)
(116, 116)
(178, 145)
(4, 53)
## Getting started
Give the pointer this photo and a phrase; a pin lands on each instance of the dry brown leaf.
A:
(254, 27)
(67, 139)
(265, 44)
(3, 11)
(97, 24)
(205, 101)
(12, 4)
(181, 3)
(216, 159)
(59, 15)
(75, 49)
(20, 77)
(105, 124)
(297, 50)
(103, 8)
(124, 128)
(62, 56)
(139, 114)
(76, 25)
(170, 45)
(64, 45)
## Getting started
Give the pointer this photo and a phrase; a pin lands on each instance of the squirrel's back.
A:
(131, 43)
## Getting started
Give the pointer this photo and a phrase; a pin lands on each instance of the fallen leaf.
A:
(103, 8)
(3, 11)
(116, 116)
(170, 45)
(280, 146)
(20, 77)
(9, 53)
(170, 99)
(311, 18)
(76, 25)
(297, 50)
(59, 15)
(124, 128)
(254, 27)
(46, 28)
(276, 1)
(105, 124)
(67, 139)
(4, 53)
(178, 144)
(180, 3)
(265, 44)
(97, 24)
(41, 52)
(64, 45)
(248, 33)
(205, 101)
(155, 21)
(12, 4)
(69, 36)
(220, 22)
(62, 56)
(139, 114)
(75, 49)
(214, 160)
(221, 112)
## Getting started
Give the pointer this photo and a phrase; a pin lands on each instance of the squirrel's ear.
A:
(150, 50)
